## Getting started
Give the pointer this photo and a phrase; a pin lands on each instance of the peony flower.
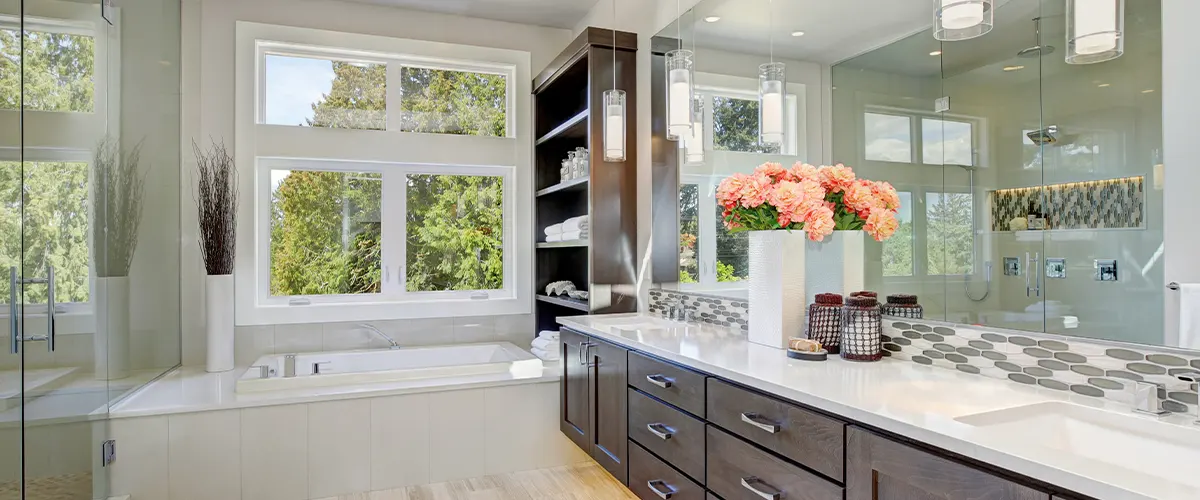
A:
(801, 171)
(881, 224)
(836, 178)
(860, 198)
(812, 190)
(773, 170)
(886, 194)
(754, 190)
(819, 223)
(729, 192)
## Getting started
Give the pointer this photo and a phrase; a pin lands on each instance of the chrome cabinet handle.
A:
(760, 422)
(662, 431)
(660, 380)
(50, 305)
(662, 493)
(763, 490)
(317, 367)
(579, 354)
(14, 312)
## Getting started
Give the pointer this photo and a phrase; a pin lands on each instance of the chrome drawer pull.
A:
(660, 430)
(763, 490)
(661, 380)
(760, 422)
(664, 494)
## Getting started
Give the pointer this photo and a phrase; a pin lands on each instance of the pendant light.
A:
(679, 86)
(694, 150)
(771, 84)
(614, 109)
(961, 19)
(1095, 30)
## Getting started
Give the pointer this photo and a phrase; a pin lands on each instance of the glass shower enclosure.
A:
(89, 229)
(1032, 188)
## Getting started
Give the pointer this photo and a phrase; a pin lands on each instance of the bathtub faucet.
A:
(376, 331)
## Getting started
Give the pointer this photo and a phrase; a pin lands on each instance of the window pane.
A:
(58, 73)
(440, 101)
(888, 138)
(455, 229)
(689, 233)
(733, 253)
(325, 232)
(55, 227)
(311, 92)
(946, 142)
(735, 126)
(950, 246)
(898, 250)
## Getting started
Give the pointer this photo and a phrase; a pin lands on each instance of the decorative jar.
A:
(862, 329)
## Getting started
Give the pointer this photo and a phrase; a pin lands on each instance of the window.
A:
(709, 255)
(946, 142)
(56, 227)
(689, 233)
(733, 251)
(896, 135)
(898, 250)
(58, 70)
(949, 238)
(731, 119)
(414, 207)
(735, 126)
(888, 138)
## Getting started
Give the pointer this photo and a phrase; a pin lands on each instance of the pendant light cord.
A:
(614, 47)
(678, 25)
(771, 30)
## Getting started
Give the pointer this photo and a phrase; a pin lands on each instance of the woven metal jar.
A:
(825, 321)
(862, 329)
(903, 306)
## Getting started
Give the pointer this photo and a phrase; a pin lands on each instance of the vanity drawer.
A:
(679, 386)
(810, 439)
(652, 479)
(651, 421)
(739, 471)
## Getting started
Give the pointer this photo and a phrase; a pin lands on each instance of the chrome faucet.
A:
(1146, 400)
(1193, 377)
(378, 332)
(679, 311)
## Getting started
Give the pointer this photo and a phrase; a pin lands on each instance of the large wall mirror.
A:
(976, 135)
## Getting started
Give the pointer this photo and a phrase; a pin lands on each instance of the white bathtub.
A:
(389, 365)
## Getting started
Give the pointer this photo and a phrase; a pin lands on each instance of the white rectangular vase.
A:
(776, 288)
(835, 265)
(218, 314)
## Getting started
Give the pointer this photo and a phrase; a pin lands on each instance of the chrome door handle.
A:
(763, 490)
(50, 305)
(14, 312)
(1041, 275)
(660, 380)
(587, 354)
(760, 422)
(664, 494)
(663, 432)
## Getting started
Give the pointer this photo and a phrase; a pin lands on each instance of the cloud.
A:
(293, 85)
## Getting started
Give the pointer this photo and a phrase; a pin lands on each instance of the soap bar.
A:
(804, 345)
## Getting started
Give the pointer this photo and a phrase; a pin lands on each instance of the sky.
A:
(294, 84)
(889, 138)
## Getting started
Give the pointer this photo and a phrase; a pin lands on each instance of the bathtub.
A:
(388, 365)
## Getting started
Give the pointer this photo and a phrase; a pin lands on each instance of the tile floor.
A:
(585, 481)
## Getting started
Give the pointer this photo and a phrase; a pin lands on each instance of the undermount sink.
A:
(1127, 441)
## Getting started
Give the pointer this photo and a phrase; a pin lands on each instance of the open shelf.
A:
(575, 127)
(573, 185)
(579, 305)
(564, 244)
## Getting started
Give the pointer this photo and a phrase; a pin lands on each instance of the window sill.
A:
(380, 311)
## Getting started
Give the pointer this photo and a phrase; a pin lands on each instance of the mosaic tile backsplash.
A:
(1091, 369)
(1112, 203)
(723, 311)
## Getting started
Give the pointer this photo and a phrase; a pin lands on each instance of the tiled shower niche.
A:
(1104, 204)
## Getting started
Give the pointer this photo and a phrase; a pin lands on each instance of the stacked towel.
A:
(548, 334)
(545, 346)
(575, 228)
(551, 355)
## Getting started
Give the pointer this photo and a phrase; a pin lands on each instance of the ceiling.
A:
(550, 13)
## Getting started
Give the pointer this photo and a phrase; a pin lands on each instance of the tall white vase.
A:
(218, 315)
(835, 265)
(111, 342)
(777, 267)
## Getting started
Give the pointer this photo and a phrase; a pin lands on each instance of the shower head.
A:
(1046, 136)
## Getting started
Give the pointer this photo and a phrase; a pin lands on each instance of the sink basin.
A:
(1130, 442)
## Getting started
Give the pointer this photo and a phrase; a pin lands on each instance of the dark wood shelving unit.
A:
(568, 114)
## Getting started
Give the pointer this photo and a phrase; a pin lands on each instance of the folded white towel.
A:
(555, 229)
(543, 344)
(551, 238)
(573, 224)
(575, 235)
(548, 334)
(546, 355)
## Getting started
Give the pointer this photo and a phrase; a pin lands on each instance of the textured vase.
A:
(776, 288)
(111, 342)
(218, 314)
(835, 265)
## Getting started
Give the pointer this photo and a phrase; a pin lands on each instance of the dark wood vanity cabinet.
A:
(878, 468)
(593, 406)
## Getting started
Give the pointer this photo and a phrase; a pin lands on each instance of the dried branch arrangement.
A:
(217, 203)
(117, 189)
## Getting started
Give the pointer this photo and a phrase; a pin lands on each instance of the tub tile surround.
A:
(709, 309)
(326, 449)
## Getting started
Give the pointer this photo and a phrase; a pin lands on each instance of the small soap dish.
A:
(821, 355)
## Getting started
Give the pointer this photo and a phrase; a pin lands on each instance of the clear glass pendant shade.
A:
(694, 150)
(679, 94)
(1095, 30)
(614, 125)
(771, 84)
(961, 19)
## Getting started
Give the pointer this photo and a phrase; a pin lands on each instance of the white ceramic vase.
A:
(218, 315)
(776, 288)
(111, 343)
(835, 265)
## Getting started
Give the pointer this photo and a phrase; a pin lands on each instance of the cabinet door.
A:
(878, 468)
(574, 406)
(610, 436)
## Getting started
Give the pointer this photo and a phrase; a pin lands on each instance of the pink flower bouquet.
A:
(819, 200)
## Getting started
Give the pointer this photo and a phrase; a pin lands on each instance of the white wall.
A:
(208, 88)
(1181, 106)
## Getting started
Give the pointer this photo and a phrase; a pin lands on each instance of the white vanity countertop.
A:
(911, 400)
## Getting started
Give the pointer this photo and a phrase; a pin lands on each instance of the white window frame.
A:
(920, 240)
(706, 237)
(917, 137)
(394, 153)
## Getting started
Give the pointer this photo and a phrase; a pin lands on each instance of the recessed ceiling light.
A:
(712, 19)
(936, 53)
(1102, 85)
(1148, 91)
(1013, 68)
(797, 33)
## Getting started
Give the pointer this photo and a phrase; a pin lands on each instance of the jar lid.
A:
(862, 301)
(829, 299)
(902, 299)
(865, 293)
